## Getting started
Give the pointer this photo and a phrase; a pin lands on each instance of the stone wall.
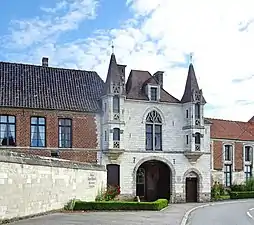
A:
(33, 184)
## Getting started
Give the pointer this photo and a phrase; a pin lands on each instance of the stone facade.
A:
(32, 184)
(181, 125)
(85, 143)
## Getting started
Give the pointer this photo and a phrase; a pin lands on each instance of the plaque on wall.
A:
(91, 180)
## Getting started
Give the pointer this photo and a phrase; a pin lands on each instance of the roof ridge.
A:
(237, 121)
(50, 67)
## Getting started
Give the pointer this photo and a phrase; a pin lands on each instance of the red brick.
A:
(217, 155)
(238, 156)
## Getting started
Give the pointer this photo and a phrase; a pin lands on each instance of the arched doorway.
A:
(153, 180)
(191, 187)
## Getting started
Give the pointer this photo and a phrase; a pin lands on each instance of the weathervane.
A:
(112, 46)
(191, 57)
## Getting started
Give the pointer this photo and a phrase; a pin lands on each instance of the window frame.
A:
(197, 111)
(71, 131)
(230, 154)
(153, 120)
(118, 134)
(247, 173)
(156, 93)
(116, 104)
(250, 155)
(228, 173)
(15, 129)
(45, 133)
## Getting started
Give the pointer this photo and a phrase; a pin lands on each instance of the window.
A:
(228, 152)
(187, 113)
(197, 138)
(116, 134)
(153, 131)
(65, 133)
(105, 135)
(7, 130)
(116, 104)
(140, 182)
(38, 130)
(187, 139)
(248, 153)
(248, 171)
(197, 110)
(228, 175)
(153, 94)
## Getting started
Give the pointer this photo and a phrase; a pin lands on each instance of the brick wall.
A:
(238, 156)
(217, 155)
(84, 133)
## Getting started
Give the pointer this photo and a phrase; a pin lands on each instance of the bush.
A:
(238, 187)
(113, 205)
(217, 191)
(241, 194)
(249, 184)
(109, 194)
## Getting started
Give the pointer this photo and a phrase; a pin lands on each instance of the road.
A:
(233, 213)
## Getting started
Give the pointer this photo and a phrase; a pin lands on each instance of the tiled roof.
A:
(41, 87)
(234, 130)
(135, 87)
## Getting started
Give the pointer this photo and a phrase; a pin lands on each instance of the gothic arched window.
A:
(153, 131)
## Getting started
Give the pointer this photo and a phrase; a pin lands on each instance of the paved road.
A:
(234, 213)
(170, 216)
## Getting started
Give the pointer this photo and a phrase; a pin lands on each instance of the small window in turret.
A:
(197, 110)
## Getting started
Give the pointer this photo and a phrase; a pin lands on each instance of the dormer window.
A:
(154, 96)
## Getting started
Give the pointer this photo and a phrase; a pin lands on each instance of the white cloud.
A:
(157, 37)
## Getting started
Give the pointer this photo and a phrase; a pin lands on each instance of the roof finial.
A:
(113, 47)
(191, 57)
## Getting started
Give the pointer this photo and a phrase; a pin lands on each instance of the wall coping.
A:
(21, 158)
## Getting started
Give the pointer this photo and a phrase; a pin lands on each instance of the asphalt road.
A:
(170, 216)
(234, 213)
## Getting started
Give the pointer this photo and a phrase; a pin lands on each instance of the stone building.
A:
(232, 145)
(153, 144)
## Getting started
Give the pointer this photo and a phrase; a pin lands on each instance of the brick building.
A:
(50, 111)
(232, 145)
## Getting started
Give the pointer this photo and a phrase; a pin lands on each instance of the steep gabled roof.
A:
(113, 75)
(135, 87)
(190, 86)
(41, 87)
(232, 130)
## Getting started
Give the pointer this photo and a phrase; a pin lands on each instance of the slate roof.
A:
(135, 87)
(40, 87)
(191, 84)
(232, 130)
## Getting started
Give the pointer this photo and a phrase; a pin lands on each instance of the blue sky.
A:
(148, 35)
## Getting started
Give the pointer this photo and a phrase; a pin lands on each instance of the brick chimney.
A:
(159, 77)
(45, 61)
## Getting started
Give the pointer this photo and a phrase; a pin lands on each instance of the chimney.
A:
(45, 61)
(159, 77)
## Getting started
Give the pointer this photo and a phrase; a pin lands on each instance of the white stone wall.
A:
(129, 162)
(46, 185)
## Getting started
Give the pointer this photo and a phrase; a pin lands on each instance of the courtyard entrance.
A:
(153, 181)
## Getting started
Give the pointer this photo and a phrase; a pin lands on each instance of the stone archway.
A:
(154, 178)
(192, 185)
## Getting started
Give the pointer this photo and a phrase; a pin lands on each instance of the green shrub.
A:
(218, 190)
(70, 205)
(249, 184)
(113, 205)
(241, 194)
(238, 187)
(109, 194)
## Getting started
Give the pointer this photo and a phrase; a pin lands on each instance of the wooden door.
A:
(191, 189)
(113, 174)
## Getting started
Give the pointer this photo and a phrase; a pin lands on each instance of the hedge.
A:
(241, 195)
(118, 205)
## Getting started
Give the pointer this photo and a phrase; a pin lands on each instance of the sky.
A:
(147, 35)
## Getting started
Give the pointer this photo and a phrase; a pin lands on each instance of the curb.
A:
(187, 214)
